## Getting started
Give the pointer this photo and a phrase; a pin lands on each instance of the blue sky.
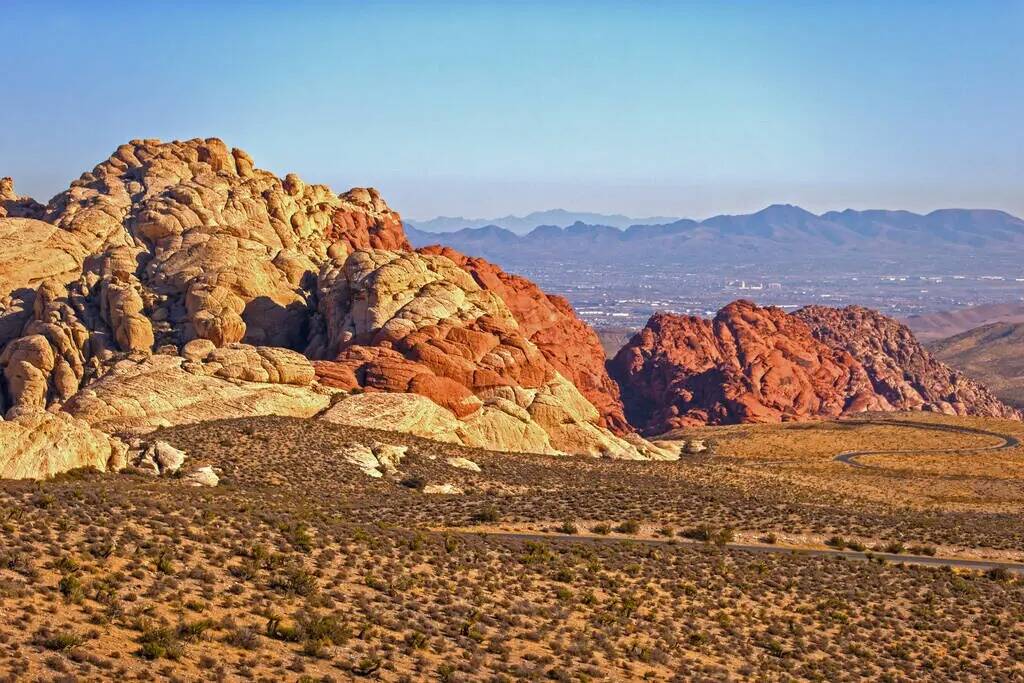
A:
(480, 109)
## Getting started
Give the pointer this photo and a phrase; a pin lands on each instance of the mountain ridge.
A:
(523, 224)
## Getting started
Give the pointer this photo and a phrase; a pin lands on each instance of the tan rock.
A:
(443, 489)
(463, 464)
(408, 413)
(198, 349)
(38, 444)
(201, 476)
(164, 390)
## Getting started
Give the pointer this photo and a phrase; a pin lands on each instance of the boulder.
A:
(463, 464)
(443, 489)
(374, 460)
(168, 458)
(201, 476)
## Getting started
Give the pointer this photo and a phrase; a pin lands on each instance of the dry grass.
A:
(299, 567)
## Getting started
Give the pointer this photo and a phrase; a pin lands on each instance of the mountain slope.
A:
(935, 326)
(523, 224)
(992, 354)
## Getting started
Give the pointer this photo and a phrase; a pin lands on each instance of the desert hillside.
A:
(992, 354)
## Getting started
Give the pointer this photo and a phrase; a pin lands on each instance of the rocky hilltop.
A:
(176, 282)
(754, 364)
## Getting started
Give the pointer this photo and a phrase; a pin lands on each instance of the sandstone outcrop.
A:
(14, 206)
(201, 476)
(901, 371)
(753, 364)
(550, 323)
(35, 444)
(139, 396)
(177, 282)
(419, 323)
(375, 460)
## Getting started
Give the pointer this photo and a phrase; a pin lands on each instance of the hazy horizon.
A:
(486, 110)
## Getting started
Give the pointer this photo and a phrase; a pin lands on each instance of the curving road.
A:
(1006, 441)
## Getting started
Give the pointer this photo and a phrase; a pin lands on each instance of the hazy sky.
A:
(481, 109)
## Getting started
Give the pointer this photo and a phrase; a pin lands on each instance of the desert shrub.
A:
(710, 534)
(367, 666)
(244, 637)
(160, 642)
(70, 587)
(295, 580)
(298, 536)
(999, 574)
(62, 640)
(193, 630)
(165, 563)
(567, 527)
(487, 515)
(313, 625)
(630, 526)
(601, 529)
(415, 482)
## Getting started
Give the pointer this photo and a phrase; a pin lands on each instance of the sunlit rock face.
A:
(754, 364)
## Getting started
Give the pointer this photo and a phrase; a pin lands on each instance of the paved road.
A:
(848, 457)
(1006, 441)
(922, 560)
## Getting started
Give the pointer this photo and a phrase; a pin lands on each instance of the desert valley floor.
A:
(300, 566)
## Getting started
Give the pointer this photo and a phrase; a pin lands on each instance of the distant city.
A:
(897, 262)
(610, 297)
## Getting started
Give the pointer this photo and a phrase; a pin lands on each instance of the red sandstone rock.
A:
(753, 364)
(549, 321)
(365, 221)
(749, 364)
(901, 371)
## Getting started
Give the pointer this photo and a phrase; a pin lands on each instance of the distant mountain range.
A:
(523, 224)
(779, 231)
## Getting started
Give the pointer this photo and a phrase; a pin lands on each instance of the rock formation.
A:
(753, 364)
(36, 444)
(902, 372)
(139, 396)
(177, 282)
(14, 206)
(419, 323)
(568, 343)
